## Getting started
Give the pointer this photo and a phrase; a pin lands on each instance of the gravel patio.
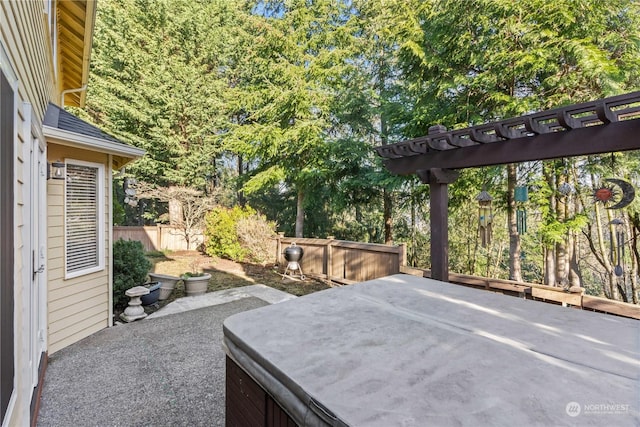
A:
(161, 371)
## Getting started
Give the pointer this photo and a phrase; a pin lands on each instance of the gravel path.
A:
(167, 371)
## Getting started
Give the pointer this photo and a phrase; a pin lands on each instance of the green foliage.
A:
(130, 268)
(288, 87)
(515, 58)
(221, 232)
(119, 215)
(240, 234)
(279, 103)
(123, 213)
(158, 70)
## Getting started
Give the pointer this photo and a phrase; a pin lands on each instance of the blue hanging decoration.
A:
(521, 196)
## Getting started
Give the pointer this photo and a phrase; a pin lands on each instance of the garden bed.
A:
(225, 274)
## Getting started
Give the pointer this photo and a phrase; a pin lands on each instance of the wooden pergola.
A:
(602, 126)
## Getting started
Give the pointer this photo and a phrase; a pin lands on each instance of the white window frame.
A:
(100, 219)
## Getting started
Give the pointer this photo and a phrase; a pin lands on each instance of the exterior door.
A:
(37, 289)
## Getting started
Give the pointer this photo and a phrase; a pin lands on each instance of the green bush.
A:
(130, 268)
(221, 233)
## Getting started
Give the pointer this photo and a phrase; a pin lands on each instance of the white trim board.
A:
(85, 142)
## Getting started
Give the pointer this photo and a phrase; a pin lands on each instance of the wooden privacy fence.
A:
(344, 262)
(157, 237)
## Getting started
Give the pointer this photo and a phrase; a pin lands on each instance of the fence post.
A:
(159, 237)
(328, 266)
(402, 262)
(279, 248)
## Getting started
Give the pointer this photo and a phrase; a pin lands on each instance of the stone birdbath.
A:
(134, 310)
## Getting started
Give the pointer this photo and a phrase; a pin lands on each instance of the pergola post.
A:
(438, 179)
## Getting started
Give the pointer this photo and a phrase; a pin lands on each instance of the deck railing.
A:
(550, 294)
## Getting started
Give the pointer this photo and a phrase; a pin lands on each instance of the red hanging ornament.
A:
(621, 195)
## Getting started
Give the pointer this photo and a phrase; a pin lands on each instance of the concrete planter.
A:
(167, 284)
(196, 285)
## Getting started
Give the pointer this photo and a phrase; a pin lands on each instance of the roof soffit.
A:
(75, 35)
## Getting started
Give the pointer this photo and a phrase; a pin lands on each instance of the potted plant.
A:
(167, 284)
(152, 296)
(195, 281)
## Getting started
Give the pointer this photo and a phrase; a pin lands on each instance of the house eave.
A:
(72, 139)
(75, 27)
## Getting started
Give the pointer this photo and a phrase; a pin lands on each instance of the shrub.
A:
(256, 234)
(130, 268)
(221, 236)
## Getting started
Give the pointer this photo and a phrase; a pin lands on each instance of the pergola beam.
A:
(613, 137)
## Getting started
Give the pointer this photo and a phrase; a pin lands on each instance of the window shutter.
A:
(82, 217)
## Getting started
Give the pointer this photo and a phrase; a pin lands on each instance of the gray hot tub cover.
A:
(408, 351)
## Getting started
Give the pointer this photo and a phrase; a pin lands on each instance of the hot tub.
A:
(409, 351)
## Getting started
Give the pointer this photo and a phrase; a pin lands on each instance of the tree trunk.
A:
(574, 272)
(387, 202)
(562, 255)
(212, 183)
(515, 270)
(549, 266)
(610, 288)
(473, 225)
(388, 224)
(384, 131)
(176, 216)
(300, 213)
(242, 201)
(414, 251)
(549, 253)
(635, 255)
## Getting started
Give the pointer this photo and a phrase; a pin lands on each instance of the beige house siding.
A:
(79, 306)
(70, 308)
(25, 49)
(26, 39)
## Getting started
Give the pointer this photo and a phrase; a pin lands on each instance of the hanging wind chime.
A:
(616, 198)
(485, 217)
(616, 252)
(565, 189)
(521, 196)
